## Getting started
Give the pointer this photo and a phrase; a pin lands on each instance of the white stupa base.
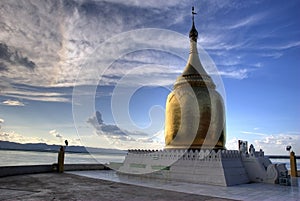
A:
(220, 167)
(214, 167)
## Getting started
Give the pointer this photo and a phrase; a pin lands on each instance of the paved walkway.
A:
(251, 192)
(54, 186)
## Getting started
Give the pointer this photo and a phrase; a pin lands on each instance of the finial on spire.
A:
(193, 31)
(193, 13)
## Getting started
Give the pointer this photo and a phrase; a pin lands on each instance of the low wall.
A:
(28, 169)
(74, 167)
(32, 169)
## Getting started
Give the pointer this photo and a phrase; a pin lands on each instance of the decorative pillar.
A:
(293, 164)
(61, 159)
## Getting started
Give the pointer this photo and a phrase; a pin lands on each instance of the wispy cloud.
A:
(253, 133)
(248, 21)
(152, 3)
(60, 36)
(36, 93)
(274, 55)
(236, 74)
(13, 103)
(283, 46)
(56, 38)
(37, 96)
(258, 65)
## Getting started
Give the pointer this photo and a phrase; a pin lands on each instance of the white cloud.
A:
(1, 121)
(232, 144)
(236, 74)
(16, 137)
(271, 144)
(276, 144)
(230, 62)
(283, 46)
(55, 134)
(253, 133)
(258, 65)
(36, 96)
(274, 55)
(248, 21)
(13, 103)
(74, 142)
(12, 136)
(152, 3)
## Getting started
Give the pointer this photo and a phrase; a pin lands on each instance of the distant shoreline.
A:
(53, 151)
(49, 151)
(43, 147)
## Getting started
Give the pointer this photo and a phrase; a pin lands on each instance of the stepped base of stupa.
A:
(214, 167)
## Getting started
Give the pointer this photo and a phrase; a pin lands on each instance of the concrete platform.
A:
(55, 186)
(248, 192)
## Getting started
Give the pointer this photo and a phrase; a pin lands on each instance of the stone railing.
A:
(181, 154)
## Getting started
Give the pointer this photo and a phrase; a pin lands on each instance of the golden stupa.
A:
(195, 115)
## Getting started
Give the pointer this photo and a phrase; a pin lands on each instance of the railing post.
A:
(293, 164)
(61, 158)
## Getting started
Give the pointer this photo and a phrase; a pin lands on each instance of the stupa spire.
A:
(194, 66)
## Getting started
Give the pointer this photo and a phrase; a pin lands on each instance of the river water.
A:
(13, 158)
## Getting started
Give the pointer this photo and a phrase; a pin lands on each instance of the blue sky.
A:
(61, 61)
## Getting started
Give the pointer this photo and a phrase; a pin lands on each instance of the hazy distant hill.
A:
(6, 145)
